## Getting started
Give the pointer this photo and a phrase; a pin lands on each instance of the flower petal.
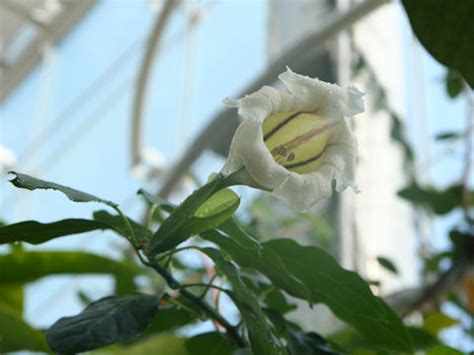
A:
(303, 191)
(248, 149)
(325, 99)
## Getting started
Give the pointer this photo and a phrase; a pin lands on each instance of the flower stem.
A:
(242, 177)
(211, 313)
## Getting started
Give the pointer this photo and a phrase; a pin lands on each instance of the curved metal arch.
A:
(144, 76)
(298, 56)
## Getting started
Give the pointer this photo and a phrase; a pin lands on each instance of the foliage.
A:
(446, 30)
(263, 276)
(107, 321)
(304, 272)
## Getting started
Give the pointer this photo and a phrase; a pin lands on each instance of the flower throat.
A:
(297, 140)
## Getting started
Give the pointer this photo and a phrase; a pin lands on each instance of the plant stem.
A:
(175, 285)
(207, 286)
(175, 251)
(133, 237)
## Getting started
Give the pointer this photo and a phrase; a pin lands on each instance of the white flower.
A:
(294, 144)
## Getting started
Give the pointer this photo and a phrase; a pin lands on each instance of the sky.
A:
(90, 148)
(88, 145)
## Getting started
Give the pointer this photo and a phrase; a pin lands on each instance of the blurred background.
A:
(108, 96)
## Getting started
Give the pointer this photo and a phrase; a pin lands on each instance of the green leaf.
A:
(211, 343)
(261, 335)
(212, 213)
(274, 299)
(124, 283)
(387, 264)
(446, 30)
(433, 262)
(28, 182)
(12, 297)
(23, 267)
(183, 222)
(397, 133)
(169, 319)
(299, 342)
(157, 200)
(107, 321)
(17, 335)
(163, 344)
(348, 338)
(448, 136)
(117, 224)
(36, 233)
(443, 350)
(344, 292)
(437, 321)
(439, 201)
(422, 339)
(454, 83)
(264, 260)
(219, 202)
(308, 344)
(234, 231)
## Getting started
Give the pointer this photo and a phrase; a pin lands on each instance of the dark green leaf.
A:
(28, 182)
(299, 342)
(17, 335)
(157, 200)
(264, 260)
(169, 319)
(454, 83)
(397, 133)
(124, 283)
(439, 201)
(274, 299)
(309, 344)
(117, 224)
(387, 264)
(344, 292)
(443, 350)
(235, 232)
(187, 305)
(422, 339)
(348, 338)
(448, 136)
(262, 337)
(84, 298)
(108, 321)
(432, 263)
(23, 267)
(446, 30)
(182, 222)
(162, 344)
(36, 233)
(463, 242)
(212, 343)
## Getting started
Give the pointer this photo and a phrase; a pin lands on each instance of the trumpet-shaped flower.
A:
(295, 144)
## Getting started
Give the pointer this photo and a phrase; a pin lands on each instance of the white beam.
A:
(53, 33)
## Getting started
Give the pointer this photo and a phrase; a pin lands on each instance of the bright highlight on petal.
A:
(295, 144)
